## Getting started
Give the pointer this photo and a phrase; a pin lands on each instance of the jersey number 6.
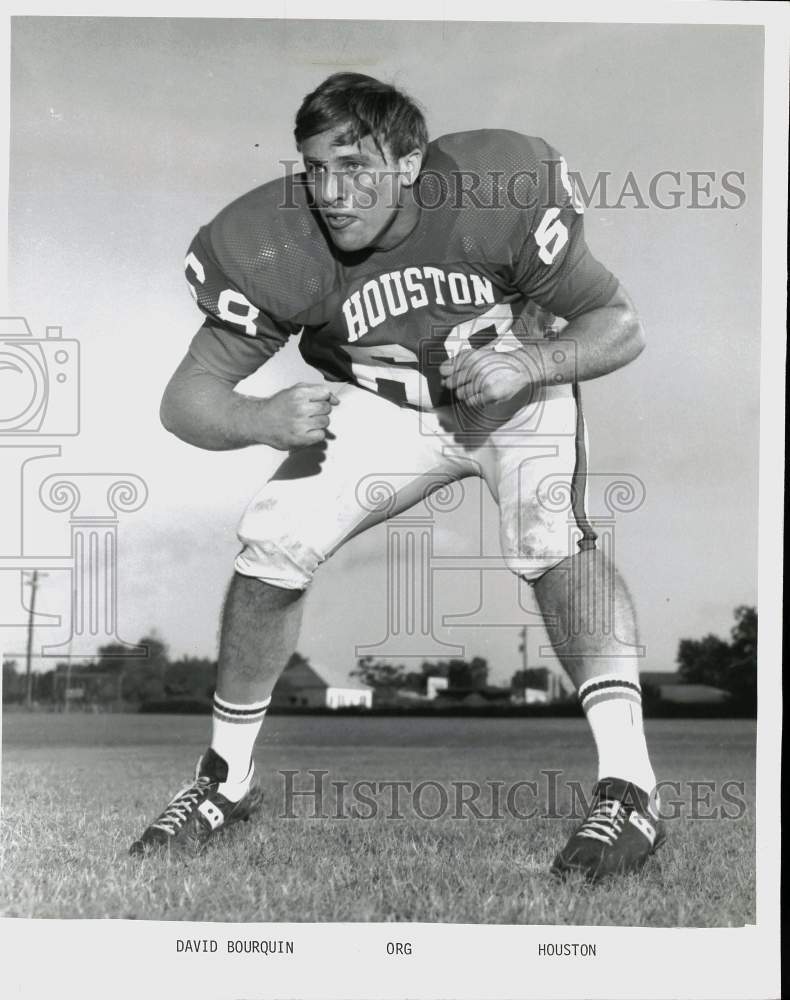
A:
(551, 235)
(232, 306)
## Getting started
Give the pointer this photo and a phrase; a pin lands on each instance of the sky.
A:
(128, 134)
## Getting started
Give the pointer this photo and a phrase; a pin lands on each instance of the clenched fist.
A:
(298, 416)
(487, 376)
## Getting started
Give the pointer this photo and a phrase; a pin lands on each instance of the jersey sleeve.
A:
(554, 266)
(238, 335)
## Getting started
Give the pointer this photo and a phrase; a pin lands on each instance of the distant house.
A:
(693, 694)
(546, 686)
(669, 686)
(535, 696)
(310, 685)
(434, 685)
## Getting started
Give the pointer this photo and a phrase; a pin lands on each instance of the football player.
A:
(424, 279)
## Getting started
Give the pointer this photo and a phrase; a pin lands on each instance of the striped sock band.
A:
(608, 687)
(234, 730)
(613, 706)
(240, 714)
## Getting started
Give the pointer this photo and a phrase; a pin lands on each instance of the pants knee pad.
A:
(532, 549)
(276, 557)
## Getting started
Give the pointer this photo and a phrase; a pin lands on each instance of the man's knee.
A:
(266, 596)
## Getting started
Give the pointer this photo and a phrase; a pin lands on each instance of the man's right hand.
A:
(298, 416)
(203, 409)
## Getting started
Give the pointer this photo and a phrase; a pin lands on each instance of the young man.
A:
(415, 273)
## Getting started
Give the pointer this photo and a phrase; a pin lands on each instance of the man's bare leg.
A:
(592, 626)
(260, 629)
(590, 619)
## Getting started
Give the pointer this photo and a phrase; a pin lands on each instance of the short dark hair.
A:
(368, 107)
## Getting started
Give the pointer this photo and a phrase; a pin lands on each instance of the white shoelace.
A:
(179, 808)
(605, 822)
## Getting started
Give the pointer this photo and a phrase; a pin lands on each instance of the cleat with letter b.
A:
(616, 837)
(197, 812)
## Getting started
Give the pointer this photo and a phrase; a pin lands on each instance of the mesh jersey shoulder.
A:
(494, 182)
(493, 153)
(512, 202)
(270, 246)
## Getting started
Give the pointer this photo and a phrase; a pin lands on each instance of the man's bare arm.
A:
(204, 410)
(606, 339)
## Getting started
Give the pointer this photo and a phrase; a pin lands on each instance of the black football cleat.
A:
(197, 812)
(616, 837)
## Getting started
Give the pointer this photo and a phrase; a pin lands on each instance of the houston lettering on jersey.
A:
(397, 292)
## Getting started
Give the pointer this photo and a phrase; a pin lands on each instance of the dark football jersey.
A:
(499, 229)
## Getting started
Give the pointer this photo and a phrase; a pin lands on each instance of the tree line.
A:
(114, 677)
(711, 661)
(730, 666)
(384, 676)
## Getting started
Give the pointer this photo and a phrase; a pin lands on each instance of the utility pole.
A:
(522, 647)
(29, 654)
(67, 689)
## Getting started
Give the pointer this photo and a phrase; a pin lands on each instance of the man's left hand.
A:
(486, 376)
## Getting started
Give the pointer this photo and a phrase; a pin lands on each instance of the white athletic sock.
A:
(234, 731)
(613, 706)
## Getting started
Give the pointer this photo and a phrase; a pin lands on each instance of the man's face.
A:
(357, 190)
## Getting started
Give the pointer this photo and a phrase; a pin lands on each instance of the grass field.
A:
(77, 789)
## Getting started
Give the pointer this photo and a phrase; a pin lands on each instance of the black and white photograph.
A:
(391, 433)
